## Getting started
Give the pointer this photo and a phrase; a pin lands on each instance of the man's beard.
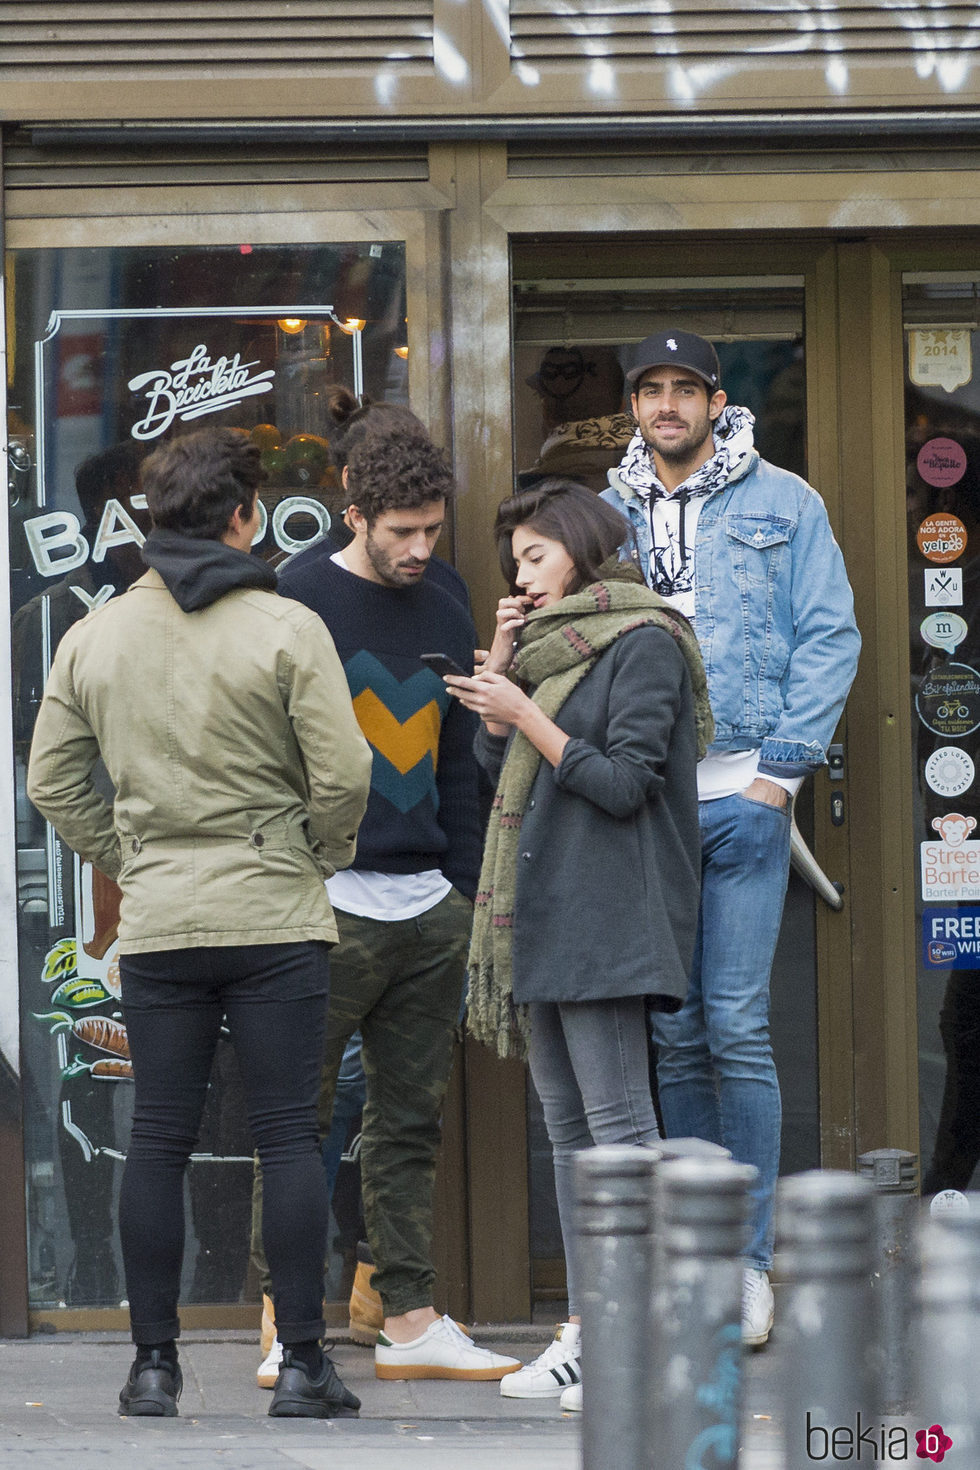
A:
(686, 449)
(388, 568)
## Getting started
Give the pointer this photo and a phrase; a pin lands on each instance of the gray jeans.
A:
(589, 1067)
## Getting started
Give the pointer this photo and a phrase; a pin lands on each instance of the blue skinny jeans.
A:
(715, 1070)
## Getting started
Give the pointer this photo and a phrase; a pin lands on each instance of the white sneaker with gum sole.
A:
(443, 1351)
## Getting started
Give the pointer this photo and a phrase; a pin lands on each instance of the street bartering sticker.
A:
(951, 864)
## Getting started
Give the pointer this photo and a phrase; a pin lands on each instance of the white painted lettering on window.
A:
(58, 531)
(193, 387)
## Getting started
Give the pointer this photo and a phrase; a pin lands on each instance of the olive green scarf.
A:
(558, 646)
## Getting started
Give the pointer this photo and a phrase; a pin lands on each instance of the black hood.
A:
(197, 571)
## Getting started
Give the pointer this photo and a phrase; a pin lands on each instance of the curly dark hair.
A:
(396, 468)
(563, 510)
(194, 483)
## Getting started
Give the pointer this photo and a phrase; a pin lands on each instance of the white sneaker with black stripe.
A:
(556, 1369)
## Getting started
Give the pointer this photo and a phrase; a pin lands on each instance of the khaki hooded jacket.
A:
(240, 772)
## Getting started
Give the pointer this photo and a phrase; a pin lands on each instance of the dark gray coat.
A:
(609, 855)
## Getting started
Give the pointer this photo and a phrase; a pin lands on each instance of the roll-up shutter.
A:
(219, 58)
(184, 37)
(692, 55)
(727, 32)
(193, 180)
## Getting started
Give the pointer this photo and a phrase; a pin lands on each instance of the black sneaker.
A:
(298, 1396)
(152, 1388)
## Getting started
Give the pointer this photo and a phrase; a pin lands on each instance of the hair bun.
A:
(342, 404)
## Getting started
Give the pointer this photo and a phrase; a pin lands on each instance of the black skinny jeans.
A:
(274, 1000)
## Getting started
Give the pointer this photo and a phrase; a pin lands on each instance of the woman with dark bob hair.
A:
(587, 906)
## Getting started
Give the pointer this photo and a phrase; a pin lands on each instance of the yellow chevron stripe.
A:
(404, 745)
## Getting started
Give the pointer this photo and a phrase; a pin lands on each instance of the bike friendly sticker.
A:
(948, 701)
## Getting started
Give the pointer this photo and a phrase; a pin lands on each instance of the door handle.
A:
(802, 859)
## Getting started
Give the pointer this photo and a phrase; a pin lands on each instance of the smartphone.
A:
(441, 664)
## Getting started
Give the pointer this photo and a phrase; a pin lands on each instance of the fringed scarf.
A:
(558, 646)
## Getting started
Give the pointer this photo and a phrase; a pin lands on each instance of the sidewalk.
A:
(58, 1396)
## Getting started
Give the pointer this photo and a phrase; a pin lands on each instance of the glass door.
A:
(942, 441)
(575, 337)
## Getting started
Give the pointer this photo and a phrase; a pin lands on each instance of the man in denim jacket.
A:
(746, 552)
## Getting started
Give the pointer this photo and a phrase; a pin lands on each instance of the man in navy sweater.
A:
(404, 907)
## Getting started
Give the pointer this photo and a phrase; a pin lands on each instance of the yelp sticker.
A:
(941, 537)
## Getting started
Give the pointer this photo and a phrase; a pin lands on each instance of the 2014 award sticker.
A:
(948, 701)
(940, 357)
(949, 771)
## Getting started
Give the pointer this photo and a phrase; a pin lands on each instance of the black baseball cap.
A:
(681, 348)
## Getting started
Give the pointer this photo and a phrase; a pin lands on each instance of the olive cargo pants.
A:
(400, 984)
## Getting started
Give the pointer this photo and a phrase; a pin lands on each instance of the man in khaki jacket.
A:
(224, 720)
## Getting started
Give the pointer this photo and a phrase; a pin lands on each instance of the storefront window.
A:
(942, 426)
(110, 353)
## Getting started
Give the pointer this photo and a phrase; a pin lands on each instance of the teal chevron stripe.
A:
(403, 697)
(405, 792)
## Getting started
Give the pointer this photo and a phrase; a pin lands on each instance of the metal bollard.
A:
(613, 1188)
(702, 1212)
(894, 1175)
(825, 1223)
(949, 1334)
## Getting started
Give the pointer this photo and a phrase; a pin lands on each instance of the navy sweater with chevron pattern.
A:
(423, 809)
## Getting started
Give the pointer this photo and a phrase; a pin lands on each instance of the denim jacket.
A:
(774, 613)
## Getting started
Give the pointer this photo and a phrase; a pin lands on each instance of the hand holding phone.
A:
(442, 664)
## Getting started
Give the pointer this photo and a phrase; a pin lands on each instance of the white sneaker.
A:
(552, 1371)
(443, 1351)
(758, 1307)
(571, 1399)
(269, 1368)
